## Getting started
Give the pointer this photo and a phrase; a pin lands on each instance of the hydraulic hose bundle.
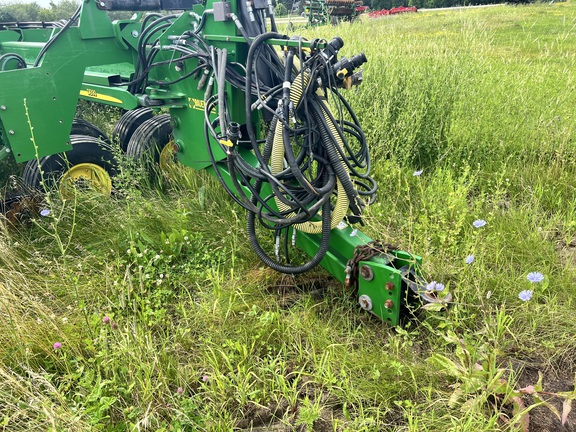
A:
(313, 167)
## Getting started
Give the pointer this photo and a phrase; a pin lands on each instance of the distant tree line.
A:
(61, 10)
(34, 12)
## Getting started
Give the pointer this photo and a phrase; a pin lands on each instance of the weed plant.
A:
(157, 316)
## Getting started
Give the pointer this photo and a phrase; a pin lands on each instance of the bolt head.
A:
(388, 304)
(365, 302)
(366, 272)
(389, 286)
(135, 33)
(3, 107)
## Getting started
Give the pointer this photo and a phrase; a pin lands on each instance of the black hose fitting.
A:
(345, 67)
(233, 132)
(332, 48)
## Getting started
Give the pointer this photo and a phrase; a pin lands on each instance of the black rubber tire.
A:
(83, 127)
(128, 123)
(85, 149)
(150, 139)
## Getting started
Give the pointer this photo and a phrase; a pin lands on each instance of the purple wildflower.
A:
(469, 259)
(180, 390)
(479, 223)
(106, 320)
(435, 286)
(205, 378)
(44, 212)
(535, 277)
(418, 173)
(57, 345)
(525, 295)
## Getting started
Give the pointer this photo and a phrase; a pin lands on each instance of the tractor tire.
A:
(151, 143)
(90, 162)
(128, 123)
(83, 127)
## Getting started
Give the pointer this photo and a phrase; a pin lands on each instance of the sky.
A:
(42, 3)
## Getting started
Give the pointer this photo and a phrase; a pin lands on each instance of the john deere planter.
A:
(217, 87)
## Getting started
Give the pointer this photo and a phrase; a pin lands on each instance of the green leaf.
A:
(538, 385)
(434, 307)
(548, 405)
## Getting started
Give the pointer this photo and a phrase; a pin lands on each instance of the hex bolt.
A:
(103, 4)
(3, 107)
(366, 272)
(11, 132)
(135, 33)
(365, 302)
(389, 286)
(388, 304)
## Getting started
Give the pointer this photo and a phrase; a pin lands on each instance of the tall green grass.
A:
(167, 321)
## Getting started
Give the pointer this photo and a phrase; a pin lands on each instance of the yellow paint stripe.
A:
(99, 96)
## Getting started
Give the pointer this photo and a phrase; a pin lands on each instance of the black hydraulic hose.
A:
(346, 157)
(4, 59)
(340, 170)
(320, 253)
(288, 154)
(146, 60)
(56, 36)
(279, 190)
(248, 24)
(273, 25)
(248, 103)
(143, 61)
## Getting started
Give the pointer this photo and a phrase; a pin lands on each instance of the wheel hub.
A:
(85, 176)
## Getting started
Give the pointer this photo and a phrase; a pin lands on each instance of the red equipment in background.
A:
(393, 11)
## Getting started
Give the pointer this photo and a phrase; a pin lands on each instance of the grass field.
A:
(150, 312)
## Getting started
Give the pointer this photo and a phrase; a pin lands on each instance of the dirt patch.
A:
(284, 417)
(567, 251)
(554, 380)
(256, 416)
(289, 288)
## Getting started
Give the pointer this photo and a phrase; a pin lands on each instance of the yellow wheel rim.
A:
(85, 176)
(168, 158)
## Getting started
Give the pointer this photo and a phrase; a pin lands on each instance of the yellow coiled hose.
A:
(277, 162)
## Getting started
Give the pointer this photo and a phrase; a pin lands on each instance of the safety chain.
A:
(411, 278)
(364, 253)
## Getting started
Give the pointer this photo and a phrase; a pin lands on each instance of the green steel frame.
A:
(37, 106)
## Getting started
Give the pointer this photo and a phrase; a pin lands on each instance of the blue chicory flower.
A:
(535, 277)
(479, 223)
(44, 212)
(525, 295)
(417, 173)
(469, 259)
(435, 286)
